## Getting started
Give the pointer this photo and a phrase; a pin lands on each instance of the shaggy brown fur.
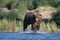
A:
(34, 19)
(36, 25)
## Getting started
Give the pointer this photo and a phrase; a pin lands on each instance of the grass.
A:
(49, 27)
(7, 27)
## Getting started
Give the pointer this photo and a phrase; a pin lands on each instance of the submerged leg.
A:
(32, 27)
(38, 26)
(24, 26)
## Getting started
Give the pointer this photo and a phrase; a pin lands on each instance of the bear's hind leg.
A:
(24, 26)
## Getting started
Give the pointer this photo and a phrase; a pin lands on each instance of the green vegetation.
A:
(49, 27)
(9, 17)
(56, 17)
(3, 25)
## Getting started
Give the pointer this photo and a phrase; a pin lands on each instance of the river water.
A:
(28, 36)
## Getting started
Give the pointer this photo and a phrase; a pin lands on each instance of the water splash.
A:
(31, 31)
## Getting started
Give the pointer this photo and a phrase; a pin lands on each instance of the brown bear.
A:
(36, 25)
(32, 18)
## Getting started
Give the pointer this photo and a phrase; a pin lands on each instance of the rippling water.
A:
(28, 36)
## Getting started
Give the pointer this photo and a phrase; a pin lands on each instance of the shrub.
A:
(33, 4)
(56, 18)
(3, 25)
(49, 27)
